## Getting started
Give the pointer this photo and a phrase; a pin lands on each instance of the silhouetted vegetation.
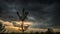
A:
(35, 33)
(50, 31)
(2, 28)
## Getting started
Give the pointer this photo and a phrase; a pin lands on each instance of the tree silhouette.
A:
(22, 18)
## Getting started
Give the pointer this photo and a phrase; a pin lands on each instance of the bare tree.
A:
(22, 18)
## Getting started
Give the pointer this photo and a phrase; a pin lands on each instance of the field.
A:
(11, 29)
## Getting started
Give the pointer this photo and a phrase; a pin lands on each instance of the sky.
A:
(42, 13)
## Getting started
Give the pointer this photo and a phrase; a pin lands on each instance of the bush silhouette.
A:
(36, 32)
(2, 28)
(50, 31)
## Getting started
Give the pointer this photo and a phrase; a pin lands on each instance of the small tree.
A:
(22, 18)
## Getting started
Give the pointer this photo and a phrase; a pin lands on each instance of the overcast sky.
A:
(42, 13)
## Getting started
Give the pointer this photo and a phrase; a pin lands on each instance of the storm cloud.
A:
(43, 13)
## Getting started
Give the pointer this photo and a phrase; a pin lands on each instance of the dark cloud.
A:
(40, 11)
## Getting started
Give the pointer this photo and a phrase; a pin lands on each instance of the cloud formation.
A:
(45, 12)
